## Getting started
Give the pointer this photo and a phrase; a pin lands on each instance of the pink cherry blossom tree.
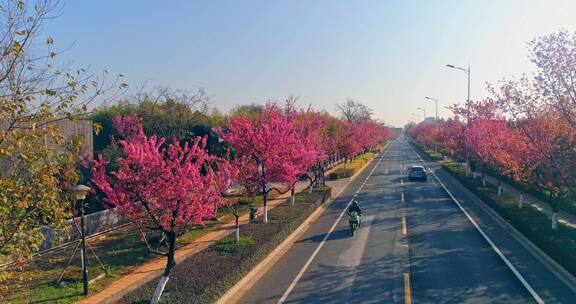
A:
(312, 129)
(161, 186)
(268, 147)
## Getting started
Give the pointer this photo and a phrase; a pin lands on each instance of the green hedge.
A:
(341, 173)
(568, 204)
(435, 155)
(207, 275)
(559, 244)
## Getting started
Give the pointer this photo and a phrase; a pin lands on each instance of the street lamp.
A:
(80, 192)
(435, 100)
(423, 110)
(467, 71)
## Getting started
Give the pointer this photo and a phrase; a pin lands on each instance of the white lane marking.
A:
(402, 197)
(352, 257)
(309, 261)
(490, 242)
(386, 171)
(401, 182)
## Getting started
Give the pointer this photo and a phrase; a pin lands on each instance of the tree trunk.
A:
(521, 200)
(237, 216)
(265, 195)
(499, 188)
(292, 196)
(555, 220)
(171, 262)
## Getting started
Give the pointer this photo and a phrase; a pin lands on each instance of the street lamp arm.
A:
(467, 71)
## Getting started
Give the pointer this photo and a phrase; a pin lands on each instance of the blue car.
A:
(417, 173)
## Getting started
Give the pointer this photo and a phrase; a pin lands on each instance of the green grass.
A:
(435, 155)
(121, 252)
(205, 276)
(229, 245)
(348, 169)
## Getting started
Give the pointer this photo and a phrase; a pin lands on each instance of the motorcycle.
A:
(354, 220)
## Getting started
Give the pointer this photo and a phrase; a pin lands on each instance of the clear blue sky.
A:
(386, 54)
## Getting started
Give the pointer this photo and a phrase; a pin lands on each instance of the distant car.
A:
(417, 173)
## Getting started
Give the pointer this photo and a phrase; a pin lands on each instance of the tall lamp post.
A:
(435, 100)
(80, 192)
(423, 110)
(467, 71)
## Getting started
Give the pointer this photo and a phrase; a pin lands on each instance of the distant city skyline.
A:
(386, 55)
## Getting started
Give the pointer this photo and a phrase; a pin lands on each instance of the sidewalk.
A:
(154, 268)
(563, 216)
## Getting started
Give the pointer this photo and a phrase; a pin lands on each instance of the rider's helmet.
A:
(354, 203)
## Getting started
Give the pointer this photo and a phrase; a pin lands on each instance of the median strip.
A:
(235, 293)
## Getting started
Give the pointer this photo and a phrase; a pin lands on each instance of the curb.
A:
(261, 268)
(562, 274)
(148, 275)
(556, 269)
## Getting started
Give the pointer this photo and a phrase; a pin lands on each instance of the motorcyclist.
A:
(354, 207)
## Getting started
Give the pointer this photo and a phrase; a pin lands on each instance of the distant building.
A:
(68, 129)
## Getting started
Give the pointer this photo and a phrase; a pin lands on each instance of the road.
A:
(415, 243)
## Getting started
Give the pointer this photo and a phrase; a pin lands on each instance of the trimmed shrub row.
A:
(207, 275)
(559, 244)
(567, 204)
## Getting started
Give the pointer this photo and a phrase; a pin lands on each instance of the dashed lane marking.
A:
(317, 250)
(407, 289)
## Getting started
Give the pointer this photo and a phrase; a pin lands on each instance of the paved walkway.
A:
(563, 216)
(154, 268)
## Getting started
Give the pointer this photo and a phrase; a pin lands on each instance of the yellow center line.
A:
(404, 227)
(407, 290)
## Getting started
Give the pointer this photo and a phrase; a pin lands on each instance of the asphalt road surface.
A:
(440, 257)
